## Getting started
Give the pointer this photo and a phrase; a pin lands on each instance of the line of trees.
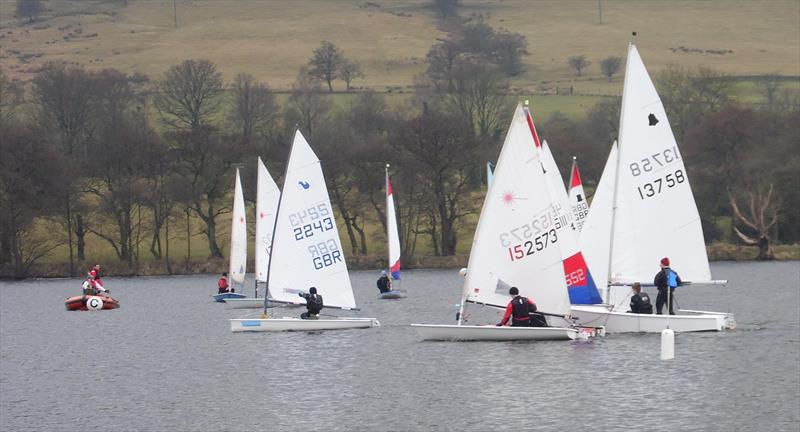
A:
(131, 162)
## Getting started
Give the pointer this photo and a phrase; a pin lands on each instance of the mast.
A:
(275, 227)
(615, 200)
(388, 238)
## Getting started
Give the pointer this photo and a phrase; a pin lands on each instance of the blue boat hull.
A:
(221, 297)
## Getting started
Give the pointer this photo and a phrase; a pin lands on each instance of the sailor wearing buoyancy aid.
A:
(665, 278)
(313, 304)
(518, 310)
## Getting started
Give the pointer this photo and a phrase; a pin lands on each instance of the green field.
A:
(271, 40)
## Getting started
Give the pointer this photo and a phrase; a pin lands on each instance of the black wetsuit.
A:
(313, 304)
(640, 304)
(383, 284)
(662, 282)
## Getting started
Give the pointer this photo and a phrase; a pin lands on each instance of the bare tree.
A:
(31, 183)
(478, 94)
(325, 63)
(438, 149)
(255, 107)
(350, 70)
(579, 62)
(761, 215)
(204, 161)
(441, 60)
(445, 8)
(610, 66)
(306, 106)
(769, 85)
(29, 9)
(64, 107)
(10, 100)
(507, 50)
(189, 93)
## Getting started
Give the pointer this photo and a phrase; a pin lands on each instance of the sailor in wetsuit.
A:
(519, 310)
(384, 283)
(640, 301)
(313, 304)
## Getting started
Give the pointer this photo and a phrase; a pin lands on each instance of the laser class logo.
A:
(304, 184)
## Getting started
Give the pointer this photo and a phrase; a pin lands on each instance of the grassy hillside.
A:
(272, 39)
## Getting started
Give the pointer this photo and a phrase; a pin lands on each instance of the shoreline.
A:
(716, 252)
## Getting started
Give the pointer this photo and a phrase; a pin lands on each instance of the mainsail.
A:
(238, 258)
(656, 215)
(577, 197)
(267, 195)
(580, 284)
(306, 250)
(391, 231)
(517, 239)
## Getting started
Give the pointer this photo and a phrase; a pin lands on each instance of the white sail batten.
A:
(656, 213)
(516, 241)
(306, 247)
(267, 195)
(238, 258)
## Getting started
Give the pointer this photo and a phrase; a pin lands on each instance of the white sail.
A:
(516, 240)
(238, 264)
(656, 215)
(306, 250)
(267, 195)
(595, 237)
(577, 197)
(391, 231)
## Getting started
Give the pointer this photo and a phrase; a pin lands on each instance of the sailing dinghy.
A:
(515, 244)
(306, 251)
(644, 210)
(267, 195)
(577, 197)
(394, 242)
(238, 259)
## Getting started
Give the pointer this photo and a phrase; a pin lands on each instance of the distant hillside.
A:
(272, 39)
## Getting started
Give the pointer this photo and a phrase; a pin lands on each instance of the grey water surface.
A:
(167, 361)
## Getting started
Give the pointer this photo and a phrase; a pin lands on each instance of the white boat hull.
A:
(297, 324)
(623, 322)
(439, 332)
(393, 294)
(257, 303)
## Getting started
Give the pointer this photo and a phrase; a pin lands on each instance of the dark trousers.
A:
(520, 323)
(661, 300)
(309, 315)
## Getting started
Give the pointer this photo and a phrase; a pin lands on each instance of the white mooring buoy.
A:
(667, 344)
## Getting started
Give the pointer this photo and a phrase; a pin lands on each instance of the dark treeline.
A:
(131, 160)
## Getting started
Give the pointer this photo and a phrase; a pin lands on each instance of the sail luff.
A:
(391, 230)
(267, 195)
(238, 254)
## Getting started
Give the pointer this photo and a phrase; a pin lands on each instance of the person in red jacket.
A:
(222, 284)
(95, 273)
(519, 310)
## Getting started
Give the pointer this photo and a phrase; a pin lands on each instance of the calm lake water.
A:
(166, 360)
